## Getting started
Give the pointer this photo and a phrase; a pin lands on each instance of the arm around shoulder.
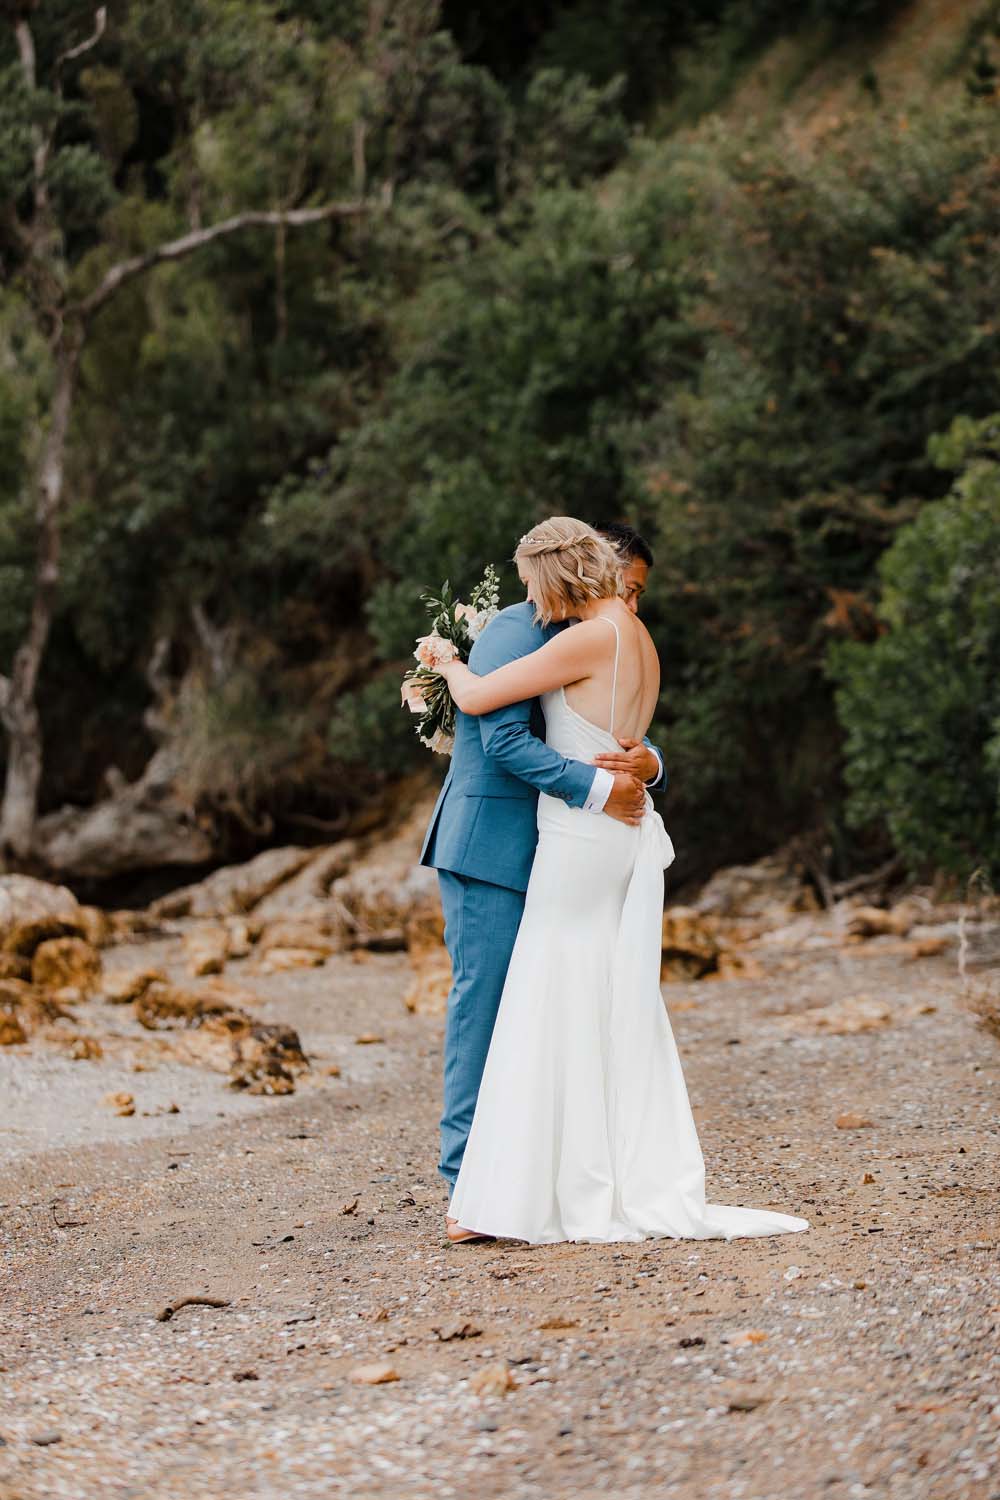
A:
(507, 738)
(564, 659)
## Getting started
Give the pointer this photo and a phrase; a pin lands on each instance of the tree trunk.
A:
(18, 706)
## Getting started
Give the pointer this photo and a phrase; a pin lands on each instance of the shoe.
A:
(459, 1236)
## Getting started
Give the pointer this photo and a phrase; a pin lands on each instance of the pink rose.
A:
(434, 652)
(413, 696)
(465, 612)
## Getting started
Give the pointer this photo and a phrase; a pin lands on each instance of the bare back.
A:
(622, 693)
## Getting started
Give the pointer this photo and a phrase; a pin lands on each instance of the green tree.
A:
(921, 704)
(846, 315)
(63, 226)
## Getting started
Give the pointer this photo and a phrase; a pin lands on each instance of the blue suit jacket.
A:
(484, 824)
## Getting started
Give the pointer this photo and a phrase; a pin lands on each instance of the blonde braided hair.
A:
(566, 564)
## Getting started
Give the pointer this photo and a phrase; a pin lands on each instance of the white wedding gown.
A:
(583, 1129)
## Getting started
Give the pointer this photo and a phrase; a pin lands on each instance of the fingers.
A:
(616, 764)
(627, 801)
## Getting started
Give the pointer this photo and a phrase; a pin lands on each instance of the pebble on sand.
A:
(380, 1373)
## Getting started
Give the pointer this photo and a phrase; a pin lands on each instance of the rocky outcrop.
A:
(320, 931)
(876, 921)
(25, 1008)
(300, 906)
(217, 1032)
(307, 893)
(66, 963)
(714, 936)
(389, 900)
(12, 1032)
(387, 887)
(237, 889)
(768, 892)
(206, 949)
(691, 944)
(32, 910)
(267, 1060)
(14, 966)
(46, 964)
(163, 1004)
(127, 985)
(300, 942)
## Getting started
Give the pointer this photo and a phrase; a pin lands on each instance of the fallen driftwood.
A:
(166, 1313)
(139, 825)
(238, 889)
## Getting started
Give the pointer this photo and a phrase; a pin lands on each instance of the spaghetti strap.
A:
(614, 675)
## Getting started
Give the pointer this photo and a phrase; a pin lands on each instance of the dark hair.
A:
(626, 539)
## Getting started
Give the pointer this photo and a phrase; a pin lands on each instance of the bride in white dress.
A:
(583, 1129)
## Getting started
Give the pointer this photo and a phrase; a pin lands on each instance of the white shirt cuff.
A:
(659, 775)
(600, 790)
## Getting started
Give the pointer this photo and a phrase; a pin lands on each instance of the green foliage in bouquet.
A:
(455, 626)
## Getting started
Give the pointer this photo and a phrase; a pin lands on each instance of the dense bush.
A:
(921, 704)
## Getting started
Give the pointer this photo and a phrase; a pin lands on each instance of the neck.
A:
(595, 607)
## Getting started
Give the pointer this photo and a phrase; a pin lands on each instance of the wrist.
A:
(600, 790)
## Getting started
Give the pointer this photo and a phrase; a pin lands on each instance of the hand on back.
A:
(627, 799)
(635, 759)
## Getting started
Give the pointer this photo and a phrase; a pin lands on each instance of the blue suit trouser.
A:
(480, 927)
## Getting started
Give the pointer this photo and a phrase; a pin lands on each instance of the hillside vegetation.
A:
(729, 272)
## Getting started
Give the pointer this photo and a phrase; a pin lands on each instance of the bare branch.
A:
(100, 26)
(26, 50)
(43, 140)
(186, 244)
(892, 867)
(156, 671)
(216, 642)
(41, 143)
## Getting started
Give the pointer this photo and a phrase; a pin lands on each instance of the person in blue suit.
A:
(481, 840)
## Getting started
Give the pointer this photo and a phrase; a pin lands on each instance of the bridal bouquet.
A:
(454, 628)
